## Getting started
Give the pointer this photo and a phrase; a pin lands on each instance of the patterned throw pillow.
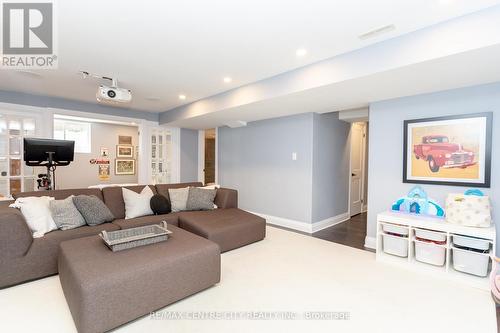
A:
(200, 199)
(65, 214)
(93, 210)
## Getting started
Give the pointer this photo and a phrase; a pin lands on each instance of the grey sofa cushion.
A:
(65, 214)
(93, 210)
(200, 199)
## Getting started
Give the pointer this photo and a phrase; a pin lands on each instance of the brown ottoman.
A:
(230, 228)
(105, 289)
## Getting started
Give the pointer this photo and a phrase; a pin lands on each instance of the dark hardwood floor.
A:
(351, 232)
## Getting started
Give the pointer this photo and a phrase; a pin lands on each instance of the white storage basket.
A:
(396, 229)
(430, 235)
(471, 262)
(430, 253)
(395, 245)
(471, 242)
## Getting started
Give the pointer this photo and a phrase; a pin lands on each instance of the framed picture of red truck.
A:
(452, 150)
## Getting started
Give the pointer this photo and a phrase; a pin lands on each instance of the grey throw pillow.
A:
(93, 210)
(65, 214)
(178, 198)
(200, 199)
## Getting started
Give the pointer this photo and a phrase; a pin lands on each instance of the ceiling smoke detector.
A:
(377, 32)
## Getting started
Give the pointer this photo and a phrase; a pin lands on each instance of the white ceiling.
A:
(453, 72)
(161, 49)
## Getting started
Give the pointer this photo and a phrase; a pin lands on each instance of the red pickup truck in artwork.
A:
(439, 152)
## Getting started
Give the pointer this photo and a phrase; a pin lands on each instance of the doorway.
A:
(358, 166)
(209, 167)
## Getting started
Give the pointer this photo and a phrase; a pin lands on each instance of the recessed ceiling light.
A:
(227, 79)
(301, 52)
(182, 97)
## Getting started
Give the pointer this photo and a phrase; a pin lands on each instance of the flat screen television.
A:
(36, 151)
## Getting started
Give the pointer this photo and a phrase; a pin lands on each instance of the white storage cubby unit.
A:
(437, 230)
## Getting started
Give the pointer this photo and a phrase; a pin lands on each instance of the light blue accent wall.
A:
(189, 155)
(257, 161)
(386, 144)
(62, 103)
(330, 181)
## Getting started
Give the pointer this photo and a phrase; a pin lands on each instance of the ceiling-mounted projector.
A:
(113, 94)
(110, 94)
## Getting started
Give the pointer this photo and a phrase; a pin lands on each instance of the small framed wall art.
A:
(124, 167)
(124, 140)
(124, 151)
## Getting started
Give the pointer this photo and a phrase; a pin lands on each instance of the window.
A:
(77, 131)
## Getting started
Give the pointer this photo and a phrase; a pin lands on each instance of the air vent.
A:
(377, 32)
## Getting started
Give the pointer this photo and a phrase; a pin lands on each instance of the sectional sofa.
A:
(24, 258)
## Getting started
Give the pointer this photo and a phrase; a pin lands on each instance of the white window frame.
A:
(87, 124)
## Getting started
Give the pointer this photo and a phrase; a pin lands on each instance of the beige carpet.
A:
(286, 272)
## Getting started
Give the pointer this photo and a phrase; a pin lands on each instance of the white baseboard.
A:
(370, 242)
(286, 223)
(331, 221)
(304, 226)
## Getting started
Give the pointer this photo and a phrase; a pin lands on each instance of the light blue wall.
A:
(331, 150)
(189, 155)
(61, 103)
(257, 161)
(386, 143)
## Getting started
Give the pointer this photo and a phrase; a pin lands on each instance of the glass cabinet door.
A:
(161, 154)
(15, 176)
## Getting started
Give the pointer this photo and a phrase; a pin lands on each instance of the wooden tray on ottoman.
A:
(133, 237)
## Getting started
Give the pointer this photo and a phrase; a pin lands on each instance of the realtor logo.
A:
(28, 35)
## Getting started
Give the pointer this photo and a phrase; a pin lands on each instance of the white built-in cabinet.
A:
(15, 176)
(161, 156)
(412, 223)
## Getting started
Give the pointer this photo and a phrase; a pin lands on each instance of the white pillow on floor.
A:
(137, 204)
(36, 212)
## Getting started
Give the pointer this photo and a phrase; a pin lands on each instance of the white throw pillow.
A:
(178, 198)
(137, 204)
(211, 187)
(36, 212)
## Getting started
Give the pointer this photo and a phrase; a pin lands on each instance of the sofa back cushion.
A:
(113, 198)
(163, 188)
(61, 194)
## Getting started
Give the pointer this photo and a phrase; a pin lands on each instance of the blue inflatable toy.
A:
(417, 202)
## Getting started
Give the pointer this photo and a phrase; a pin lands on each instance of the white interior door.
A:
(357, 166)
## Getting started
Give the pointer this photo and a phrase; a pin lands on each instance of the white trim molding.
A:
(201, 156)
(304, 226)
(370, 242)
(329, 222)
